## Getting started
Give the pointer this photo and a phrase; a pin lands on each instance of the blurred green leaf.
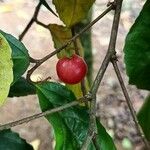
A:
(21, 88)
(137, 50)
(6, 71)
(70, 125)
(72, 12)
(104, 141)
(10, 140)
(144, 117)
(20, 56)
(86, 42)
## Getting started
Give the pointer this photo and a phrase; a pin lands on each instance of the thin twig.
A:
(34, 17)
(111, 47)
(100, 74)
(129, 103)
(75, 41)
(41, 23)
(36, 116)
(41, 61)
(83, 86)
(92, 125)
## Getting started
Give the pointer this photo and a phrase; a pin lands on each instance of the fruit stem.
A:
(75, 41)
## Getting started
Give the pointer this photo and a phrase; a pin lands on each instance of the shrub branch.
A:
(101, 72)
(91, 96)
(39, 115)
(129, 103)
(34, 17)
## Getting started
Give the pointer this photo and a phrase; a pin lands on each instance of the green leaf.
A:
(11, 141)
(6, 71)
(49, 98)
(144, 117)
(61, 35)
(48, 7)
(137, 50)
(21, 88)
(76, 88)
(104, 140)
(20, 56)
(72, 12)
(70, 125)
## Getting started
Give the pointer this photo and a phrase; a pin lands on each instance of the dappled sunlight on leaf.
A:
(35, 144)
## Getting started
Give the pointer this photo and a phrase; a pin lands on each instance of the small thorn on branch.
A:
(113, 3)
(114, 58)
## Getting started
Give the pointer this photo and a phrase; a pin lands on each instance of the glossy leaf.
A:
(20, 56)
(72, 12)
(21, 88)
(52, 95)
(144, 117)
(70, 125)
(137, 50)
(10, 140)
(6, 69)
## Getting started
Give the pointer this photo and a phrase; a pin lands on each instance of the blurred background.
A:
(111, 105)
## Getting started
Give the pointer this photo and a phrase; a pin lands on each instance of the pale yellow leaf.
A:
(6, 69)
(72, 12)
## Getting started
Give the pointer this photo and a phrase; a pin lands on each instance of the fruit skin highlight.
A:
(71, 70)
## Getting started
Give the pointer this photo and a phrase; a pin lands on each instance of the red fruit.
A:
(71, 70)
